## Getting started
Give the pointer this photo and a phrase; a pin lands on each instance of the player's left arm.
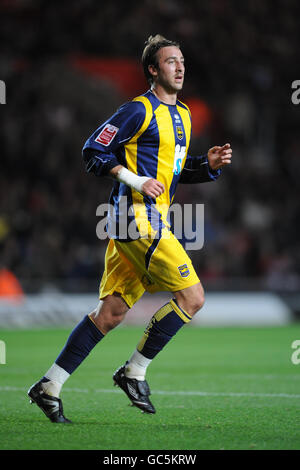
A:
(201, 169)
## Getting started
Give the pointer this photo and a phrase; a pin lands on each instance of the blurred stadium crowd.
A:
(239, 58)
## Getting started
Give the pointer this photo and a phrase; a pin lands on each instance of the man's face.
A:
(170, 71)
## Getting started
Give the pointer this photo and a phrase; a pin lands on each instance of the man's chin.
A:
(178, 86)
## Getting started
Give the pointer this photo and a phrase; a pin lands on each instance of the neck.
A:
(167, 97)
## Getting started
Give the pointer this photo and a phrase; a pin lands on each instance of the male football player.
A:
(144, 148)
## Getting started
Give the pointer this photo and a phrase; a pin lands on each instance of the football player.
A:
(144, 148)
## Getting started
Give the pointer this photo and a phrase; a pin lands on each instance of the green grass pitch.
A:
(213, 388)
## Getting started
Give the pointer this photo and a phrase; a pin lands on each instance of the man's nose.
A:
(180, 66)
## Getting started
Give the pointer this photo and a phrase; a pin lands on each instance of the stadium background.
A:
(67, 67)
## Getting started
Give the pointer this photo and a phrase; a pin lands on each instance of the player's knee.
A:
(201, 301)
(111, 321)
(196, 299)
(191, 299)
(196, 303)
(109, 314)
(108, 320)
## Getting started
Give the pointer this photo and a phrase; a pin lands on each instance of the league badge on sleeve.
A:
(184, 270)
(107, 135)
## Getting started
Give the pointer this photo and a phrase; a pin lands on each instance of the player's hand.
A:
(219, 156)
(152, 188)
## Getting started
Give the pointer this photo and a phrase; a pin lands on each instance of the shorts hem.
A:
(190, 284)
(173, 289)
(124, 297)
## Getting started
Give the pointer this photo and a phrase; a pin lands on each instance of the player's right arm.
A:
(143, 184)
(102, 155)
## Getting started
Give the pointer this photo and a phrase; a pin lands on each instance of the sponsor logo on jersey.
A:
(177, 118)
(179, 132)
(184, 270)
(107, 135)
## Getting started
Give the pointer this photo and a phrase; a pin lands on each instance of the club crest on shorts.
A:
(184, 270)
(179, 132)
(107, 135)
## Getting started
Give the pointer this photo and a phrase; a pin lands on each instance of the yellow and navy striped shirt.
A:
(150, 138)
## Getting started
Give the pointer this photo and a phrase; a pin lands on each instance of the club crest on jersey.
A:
(184, 270)
(179, 132)
(107, 135)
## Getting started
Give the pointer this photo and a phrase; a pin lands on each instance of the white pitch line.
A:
(211, 394)
(166, 392)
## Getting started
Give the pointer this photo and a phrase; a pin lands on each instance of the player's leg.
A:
(191, 299)
(170, 269)
(84, 337)
(118, 289)
(110, 312)
(164, 324)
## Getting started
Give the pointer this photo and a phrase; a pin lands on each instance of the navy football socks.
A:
(81, 341)
(162, 327)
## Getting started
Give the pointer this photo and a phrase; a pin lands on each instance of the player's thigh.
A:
(120, 277)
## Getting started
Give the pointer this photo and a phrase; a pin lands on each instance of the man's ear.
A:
(153, 70)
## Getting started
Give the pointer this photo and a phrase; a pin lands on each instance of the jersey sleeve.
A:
(197, 170)
(101, 150)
